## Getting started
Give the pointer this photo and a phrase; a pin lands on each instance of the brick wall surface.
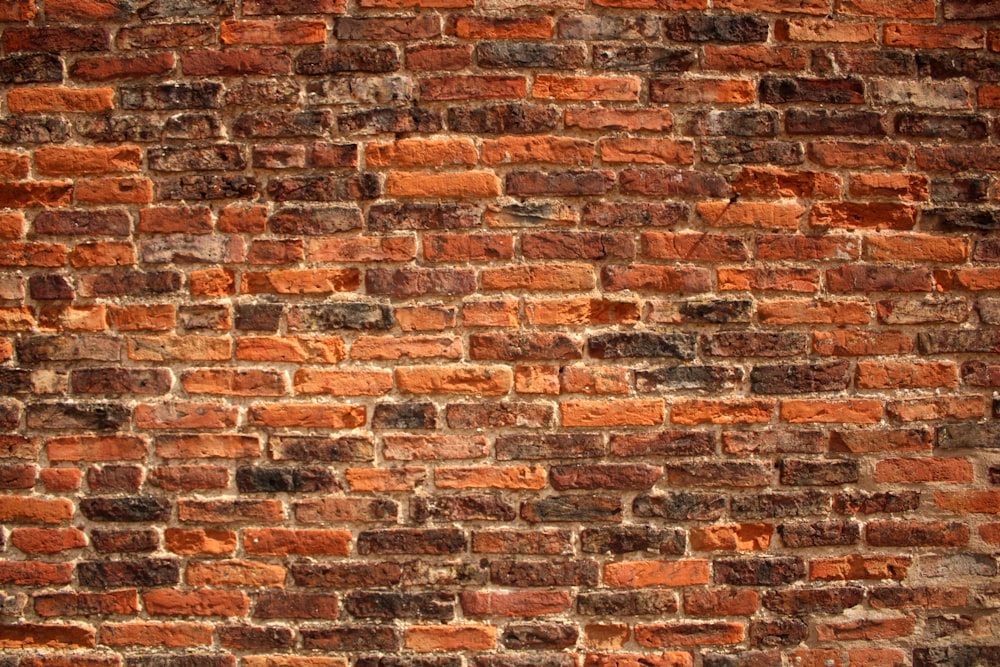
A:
(499, 333)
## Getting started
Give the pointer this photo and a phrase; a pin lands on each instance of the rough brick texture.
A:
(499, 333)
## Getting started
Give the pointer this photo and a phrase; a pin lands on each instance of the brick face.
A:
(496, 333)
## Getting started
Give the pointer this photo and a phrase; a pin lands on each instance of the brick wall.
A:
(499, 333)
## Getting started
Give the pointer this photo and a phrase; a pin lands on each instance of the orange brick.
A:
(543, 149)
(702, 91)
(109, 253)
(156, 634)
(307, 415)
(923, 470)
(422, 153)
(916, 248)
(55, 100)
(386, 479)
(301, 281)
(410, 447)
(536, 380)
(581, 310)
(820, 30)
(905, 187)
(969, 502)
(945, 407)
(284, 542)
(96, 448)
(780, 313)
(475, 27)
(922, 36)
(852, 411)
(342, 382)
(752, 214)
(114, 190)
(12, 224)
(490, 314)
(876, 657)
(73, 318)
(234, 573)
(143, 318)
(200, 541)
(658, 635)
(362, 249)
(632, 412)
(639, 574)
(989, 96)
(904, 375)
(549, 277)
(47, 540)
(736, 537)
(791, 6)
(272, 32)
(647, 151)
(425, 639)
(169, 602)
(868, 629)
(472, 87)
(511, 477)
(595, 88)
(475, 380)
(514, 603)
(457, 185)
(19, 253)
(296, 349)
(18, 10)
(208, 446)
(665, 659)
(606, 637)
(859, 567)
(910, 9)
(704, 411)
(61, 161)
